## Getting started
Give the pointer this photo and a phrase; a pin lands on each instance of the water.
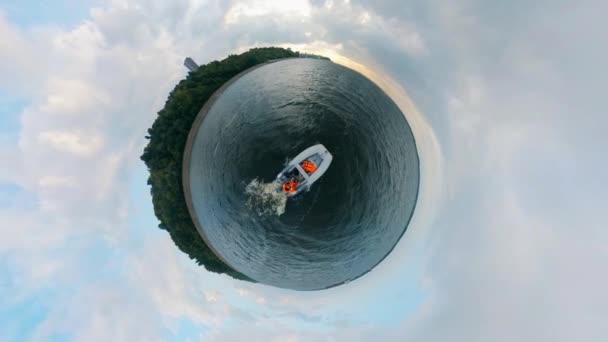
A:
(264, 199)
(349, 220)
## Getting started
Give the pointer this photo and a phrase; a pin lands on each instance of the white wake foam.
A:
(264, 198)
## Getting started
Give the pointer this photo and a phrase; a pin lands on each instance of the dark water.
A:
(349, 220)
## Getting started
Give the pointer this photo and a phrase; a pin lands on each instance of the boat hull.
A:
(319, 155)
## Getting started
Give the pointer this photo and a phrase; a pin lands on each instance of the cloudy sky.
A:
(506, 99)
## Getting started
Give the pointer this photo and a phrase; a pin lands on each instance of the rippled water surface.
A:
(349, 220)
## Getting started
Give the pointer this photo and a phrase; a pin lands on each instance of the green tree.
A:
(167, 139)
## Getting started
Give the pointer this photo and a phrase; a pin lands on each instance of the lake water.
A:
(349, 220)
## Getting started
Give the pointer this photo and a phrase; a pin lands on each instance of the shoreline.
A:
(186, 173)
(192, 134)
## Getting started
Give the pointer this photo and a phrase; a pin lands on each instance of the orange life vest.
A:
(308, 166)
(290, 186)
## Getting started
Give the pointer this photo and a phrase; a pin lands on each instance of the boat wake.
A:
(264, 199)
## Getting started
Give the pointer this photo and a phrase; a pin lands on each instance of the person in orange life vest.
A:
(290, 186)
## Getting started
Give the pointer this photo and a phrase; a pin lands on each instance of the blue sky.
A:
(9, 126)
(508, 242)
(30, 13)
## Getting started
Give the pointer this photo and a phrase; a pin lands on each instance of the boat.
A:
(304, 170)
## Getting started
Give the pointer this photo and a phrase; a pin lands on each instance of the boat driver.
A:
(290, 185)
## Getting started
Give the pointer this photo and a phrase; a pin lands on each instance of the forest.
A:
(167, 139)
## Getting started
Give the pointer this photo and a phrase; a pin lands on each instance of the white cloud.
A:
(256, 8)
(55, 181)
(71, 142)
(508, 241)
(212, 296)
(341, 22)
(84, 98)
(16, 59)
(90, 100)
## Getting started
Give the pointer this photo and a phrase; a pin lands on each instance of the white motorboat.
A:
(304, 170)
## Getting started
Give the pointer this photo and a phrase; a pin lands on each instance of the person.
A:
(290, 185)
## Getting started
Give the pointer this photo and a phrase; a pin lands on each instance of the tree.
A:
(167, 139)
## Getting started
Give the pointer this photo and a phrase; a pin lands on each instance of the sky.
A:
(506, 101)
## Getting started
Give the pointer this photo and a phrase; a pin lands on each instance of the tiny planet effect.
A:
(348, 221)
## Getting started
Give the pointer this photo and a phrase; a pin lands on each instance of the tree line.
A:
(165, 150)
